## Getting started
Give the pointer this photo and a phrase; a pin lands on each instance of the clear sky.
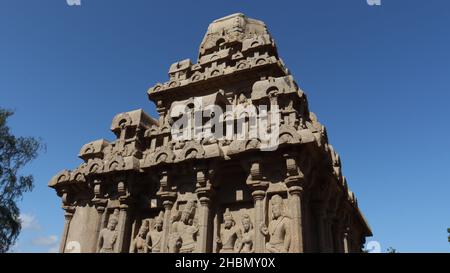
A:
(377, 76)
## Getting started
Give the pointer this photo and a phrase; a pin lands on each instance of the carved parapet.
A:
(229, 30)
(306, 136)
(162, 155)
(119, 163)
(239, 146)
(133, 119)
(61, 178)
(78, 176)
(95, 166)
(93, 150)
(209, 74)
(180, 70)
(281, 85)
(214, 57)
(152, 131)
(70, 181)
(191, 150)
(255, 43)
(288, 135)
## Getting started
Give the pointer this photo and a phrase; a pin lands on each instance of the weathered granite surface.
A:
(145, 192)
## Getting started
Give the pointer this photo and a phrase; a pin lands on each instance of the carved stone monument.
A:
(164, 187)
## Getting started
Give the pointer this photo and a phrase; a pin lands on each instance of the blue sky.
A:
(377, 77)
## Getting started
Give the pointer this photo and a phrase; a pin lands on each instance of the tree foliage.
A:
(15, 153)
(391, 250)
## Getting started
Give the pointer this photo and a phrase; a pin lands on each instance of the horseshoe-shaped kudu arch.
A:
(150, 191)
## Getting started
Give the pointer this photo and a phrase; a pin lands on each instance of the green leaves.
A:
(15, 153)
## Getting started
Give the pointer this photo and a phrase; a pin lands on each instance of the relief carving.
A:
(108, 236)
(229, 234)
(184, 231)
(140, 244)
(155, 235)
(245, 244)
(279, 230)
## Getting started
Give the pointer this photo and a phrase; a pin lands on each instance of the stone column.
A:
(205, 193)
(259, 201)
(329, 229)
(321, 215)
(204, 216)
(168, 198)
(295, 183)
(69, 211)
(258, 187)
(339, 237)
(346, 240)
(168, 204)
(98, 226)
(295, 190)
(122, 229)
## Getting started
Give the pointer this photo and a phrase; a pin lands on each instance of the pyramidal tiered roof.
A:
(238, 64)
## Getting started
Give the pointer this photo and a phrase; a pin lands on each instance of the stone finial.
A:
(230, 29)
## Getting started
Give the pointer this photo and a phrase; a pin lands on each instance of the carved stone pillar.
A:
(295, 190)
(329, 231)
(98, 225)
(339, 236)
(204, 218)
(122, 227)
(168, 198)
(205, 193)
(100, 206)
(258, 187)
(69, 211)
(168, 204)
(295, 184)
(347, 240)
(321, 227)
(259, 201)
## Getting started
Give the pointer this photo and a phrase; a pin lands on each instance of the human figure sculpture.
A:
(279, 231)
(155, 234)
(140, 244)
(108, 236)
(228, 234)
(174, 243)
(247, 235)
(184, 231)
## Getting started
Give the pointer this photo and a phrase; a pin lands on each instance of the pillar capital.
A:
(169, 196)
(168, 204)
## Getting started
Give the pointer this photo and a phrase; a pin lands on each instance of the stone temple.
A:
(150, 191)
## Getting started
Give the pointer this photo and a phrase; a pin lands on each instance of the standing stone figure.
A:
(108, 236)
(279, 230)
(140, 244)
(155, 234)
(248, 235)
(228, 234)
(184, 231)
(174, 243)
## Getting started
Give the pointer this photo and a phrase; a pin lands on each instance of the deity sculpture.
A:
(279, 230)
(174, 243)
(140, 244)
(247, 235)
(184, 231)
(228, 234)
(108, 236)
(155, 234)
